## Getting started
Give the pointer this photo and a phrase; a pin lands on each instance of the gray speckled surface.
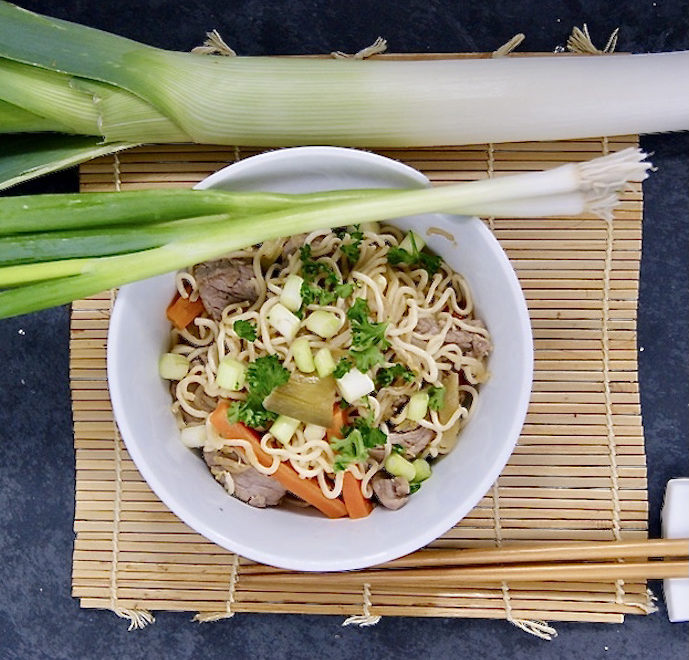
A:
(39, 619)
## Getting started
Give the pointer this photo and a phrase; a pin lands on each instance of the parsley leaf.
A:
(365, 333)
(436, 397)
(262, 377)
(343, 366)
(414, 486)
(245, 330)
(366, 358)
(352, 251)
(389, 375)
(430, 262)
(344, 290)
(398, 449)
(358, 439)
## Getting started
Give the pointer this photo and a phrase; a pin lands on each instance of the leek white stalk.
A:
(139, 93)
(598, 181)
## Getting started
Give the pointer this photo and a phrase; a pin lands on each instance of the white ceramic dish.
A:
(297, 540)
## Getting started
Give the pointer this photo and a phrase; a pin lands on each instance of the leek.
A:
(116, 89)
(60, 281)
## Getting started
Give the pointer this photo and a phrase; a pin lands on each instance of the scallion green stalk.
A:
(598, 180)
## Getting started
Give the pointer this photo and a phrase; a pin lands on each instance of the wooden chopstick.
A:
(523, 553)
(450, 577)
(575, 551)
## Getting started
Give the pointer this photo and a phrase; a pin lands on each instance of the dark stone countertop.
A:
(38, 617)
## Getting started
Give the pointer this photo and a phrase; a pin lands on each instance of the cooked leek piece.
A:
(231, 374)
(303, 357)
(284, 428)
(306, 398)
(354, 385)
(173, 366)
(417, 406)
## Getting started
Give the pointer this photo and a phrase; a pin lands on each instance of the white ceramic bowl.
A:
(298, 540)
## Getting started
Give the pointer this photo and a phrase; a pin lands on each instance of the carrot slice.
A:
(182, 311)
(357, 505)
(340, 419)
(307, 489)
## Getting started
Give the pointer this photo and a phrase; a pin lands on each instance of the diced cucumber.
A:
(422, 470)
(283, 321)
(291, 292)
(173, 366)
(284, 428)
(417, 406)
(303, 358)
(314, 432)
(231, 374)
(324, 362)
(407, 244)
(399, 466)
(322, 323)
(193, 436)
(354, 385)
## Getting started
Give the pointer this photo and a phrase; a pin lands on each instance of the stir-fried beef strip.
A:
(392, 493)
(225, 281)
(250, 486)
(413, 437)
(473, 344)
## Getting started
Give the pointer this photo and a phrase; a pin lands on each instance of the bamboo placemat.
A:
(578, 472)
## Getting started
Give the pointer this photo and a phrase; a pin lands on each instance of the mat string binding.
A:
(207, 617)
(138, 618)
(365, 619)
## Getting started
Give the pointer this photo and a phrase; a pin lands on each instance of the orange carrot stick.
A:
(340, 419)
(355, 502)
(307, 489)
(182, 311)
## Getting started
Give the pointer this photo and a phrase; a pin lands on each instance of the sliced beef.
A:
(377, 453)
(225, 281)
(203, 401)
(471, 343)
(250, 486)
(257, 489)
(427, 325)
(413, 438)
(292, 244)
(391, 493)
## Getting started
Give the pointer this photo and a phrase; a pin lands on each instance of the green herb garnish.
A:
(343, 366)
(414, 486)
(430, 262)
(354, 446)
(436, 397)
(262, 377)
(245, 330)
(388, 375)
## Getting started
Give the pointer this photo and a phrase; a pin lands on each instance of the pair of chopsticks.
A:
(569, 562)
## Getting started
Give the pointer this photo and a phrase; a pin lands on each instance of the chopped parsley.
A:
(368, 338)
(436, 397)
(414, 486)
(398, 449)
(245, 330)
(343, 366)
(358, 439)
(352, 251)
(388, 375)
(430, 262)
(332, 287)
(262, 377)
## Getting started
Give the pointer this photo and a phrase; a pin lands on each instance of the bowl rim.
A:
(431, 531)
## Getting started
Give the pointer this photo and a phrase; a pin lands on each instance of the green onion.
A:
(303, 357)
(323, 360)
(231, 374)
(417, 406)
(324, 324)
(399, 466)
(173, 366)
(290, 296)
(63, 279)
(286, 323)
(422, 470)
(284, 428)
